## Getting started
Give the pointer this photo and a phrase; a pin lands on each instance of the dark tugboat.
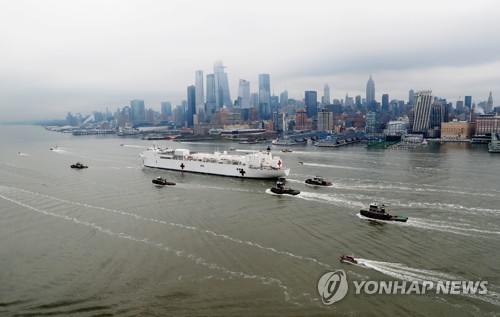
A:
(160, 181)
(280, 189)
(317, 181)
(348, 259)
(78, 165)
(378, 212)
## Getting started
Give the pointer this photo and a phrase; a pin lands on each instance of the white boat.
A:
(251, 165)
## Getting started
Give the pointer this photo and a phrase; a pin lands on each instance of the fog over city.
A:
(58, 56)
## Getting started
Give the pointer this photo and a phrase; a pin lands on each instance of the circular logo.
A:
(332, 287)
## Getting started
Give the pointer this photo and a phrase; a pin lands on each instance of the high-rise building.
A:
(264, 96)
(191, 105)
(166, 110)
(278, 121)
(489, 105)
(325, 100)
(423, 108)
(138, 111)
(370, 94)
(200, 100)
(325, 120)
(373, 122)
(301, 119)
(385, 102)
(254, 100)
(211, 100)
(468, 102)
(311, 101)
(244, 93)
(411, 97)
(222, 96)
(284, 98)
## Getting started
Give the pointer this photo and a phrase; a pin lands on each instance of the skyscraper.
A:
(311, 100)
(411, 97)
(222, 96)
(325, 120)
(284, 98)
(191, 105)
(325, 100)
(138, 111)
(244, 93)
(264, 96)
(370, 94)
(385, 102)
(166, 110)
(200, 100)
(423, 107)
(489, 105)
(468, 102)
(211, 103)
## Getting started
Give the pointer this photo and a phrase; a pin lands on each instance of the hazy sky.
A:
(58, 56)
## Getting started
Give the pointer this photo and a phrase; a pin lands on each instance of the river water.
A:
(105, 242)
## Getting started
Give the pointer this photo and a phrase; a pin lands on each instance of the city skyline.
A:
(85, 56)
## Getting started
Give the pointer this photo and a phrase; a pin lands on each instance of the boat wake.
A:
(410, 274)
(335, 166)
(134, 146)
(442, 226)
(331, 199)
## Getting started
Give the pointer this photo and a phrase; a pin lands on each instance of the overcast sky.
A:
(58, 56)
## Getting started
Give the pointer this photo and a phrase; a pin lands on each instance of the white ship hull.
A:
(157, 159)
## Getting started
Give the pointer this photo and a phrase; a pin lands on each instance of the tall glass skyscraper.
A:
(264, 96)
(423, 107)
(211, 100)
(244, 93)
(222, 96)
(311, 100)
(200, 100)
(191, 105)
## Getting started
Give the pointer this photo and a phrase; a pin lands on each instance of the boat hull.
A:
(286, 191)
(152, 160)
(378, 216)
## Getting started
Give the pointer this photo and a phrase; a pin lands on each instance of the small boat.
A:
(348, 259)
(280, 189)
(318, 181)
(78, 165)
(286, 151)
(300, 162)
(378, 212)
(160, 181)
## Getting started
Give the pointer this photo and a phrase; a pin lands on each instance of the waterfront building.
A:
(301, 119)
(396, 128)
(311, 101)
(278, 121)
(458, 130)
(200, 100)
(373, 122)
(244, 93)
(422, 113)
(487, 124)
(325, 120)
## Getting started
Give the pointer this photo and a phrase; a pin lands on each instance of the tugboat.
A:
(286, 151)
(160, 181)
(78, 165)
(318, 181)
(378, 212)
(280, 189)
(348, 259)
